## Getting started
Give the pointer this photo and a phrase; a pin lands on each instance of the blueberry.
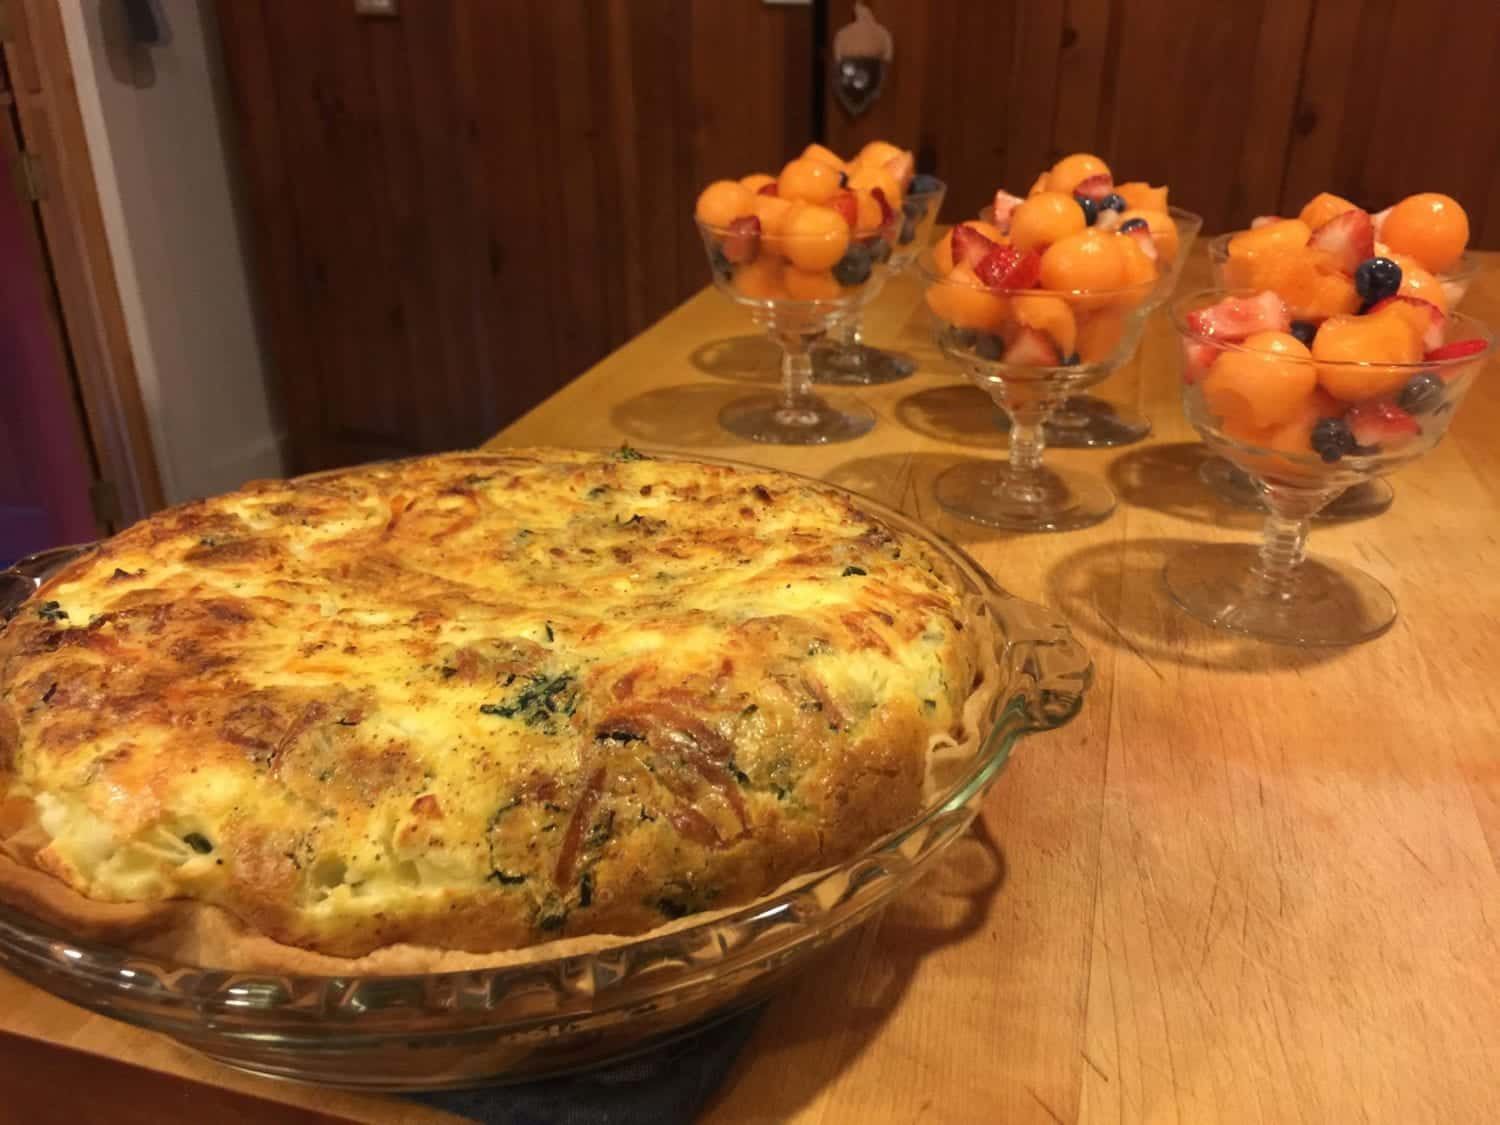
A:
(1114, 201)
(1073, 359)
(908, 231)
(1332, 438)
(843, 179)
(1375, 279)
(1134, 224)
(924, 184)
(963, 337)
(1421, 393)
(1304, 330)
(722, 268)
(1090, 209)
(989, 346)
(855, 266)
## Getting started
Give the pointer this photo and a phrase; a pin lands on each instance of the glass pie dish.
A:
(559, 1010)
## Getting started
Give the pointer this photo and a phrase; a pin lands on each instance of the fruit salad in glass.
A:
(1079, 192)
(1305, 415)
(1337, 259)
(1034, 314)
(800, 252)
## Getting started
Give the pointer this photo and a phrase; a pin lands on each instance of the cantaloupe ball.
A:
(1431, 227)
(962, 300)
(1163, 231)
(811, 181)
(1044, 218)
(878, 153)
(1351, 350)
(1283, 234)
(1090, 259)
(1071, 171)
(1142, 196)
(1322, 208)
(825, 155)
(810, 285)
(761, 279)
(867, 177)
(722, 202)
(814, 238)
(1264, 384)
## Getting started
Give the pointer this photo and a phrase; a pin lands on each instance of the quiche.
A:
(471, 702)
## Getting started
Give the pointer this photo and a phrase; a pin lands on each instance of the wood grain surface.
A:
(458, 209)
(1247, 884)
(1245, 108)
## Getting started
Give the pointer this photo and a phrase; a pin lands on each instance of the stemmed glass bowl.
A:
(1358, 501)
(845, 359)
(1005, 342)
(1084, 421)
(1301, 450)
(797, 287)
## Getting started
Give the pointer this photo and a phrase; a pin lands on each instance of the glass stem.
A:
(852, 334)
(796, 371)
(1027, 442)
(1284, 542)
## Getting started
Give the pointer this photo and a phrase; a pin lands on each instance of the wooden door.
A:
(46, 466)
(459, 208)
(1244, 108)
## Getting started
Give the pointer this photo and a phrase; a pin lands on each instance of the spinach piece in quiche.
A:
(625, 453)
(51, 611)
(541, 700)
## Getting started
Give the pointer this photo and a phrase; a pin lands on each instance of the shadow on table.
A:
(1165, 479)
(1090, 585)
(845, 1000)
(957, 412)
(749, 358)
(905, 481)
(686, 415)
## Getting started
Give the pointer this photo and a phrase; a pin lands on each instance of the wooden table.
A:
(1248, 883)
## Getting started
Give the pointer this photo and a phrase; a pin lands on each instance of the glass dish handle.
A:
(1052, 669)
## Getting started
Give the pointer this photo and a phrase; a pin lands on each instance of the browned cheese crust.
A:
(475, 702)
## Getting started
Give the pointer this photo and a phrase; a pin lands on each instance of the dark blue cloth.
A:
(666, 1086)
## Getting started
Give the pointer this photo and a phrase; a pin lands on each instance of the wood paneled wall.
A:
(1245, 107)
(458, 209)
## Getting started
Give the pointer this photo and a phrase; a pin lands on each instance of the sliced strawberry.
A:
(1197, 357)
(1005, 267)
(1432, 327)
(768, 189)
(1263, 221)
(1030, 347)
(1095, 187)
(846, 205)
(969, 246)
(1456, 350)
(1349, 239)
(1235, 318)
(1380, 426)
(1005, 203)
(887, 212)
(1143, 239)
(742, 243)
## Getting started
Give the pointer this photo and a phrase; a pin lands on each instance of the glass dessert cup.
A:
(1090, 422)
(566, 1008)
(797, 305)
(844, 359)
(1359, 501)
(1276, 591)
(1021, 369)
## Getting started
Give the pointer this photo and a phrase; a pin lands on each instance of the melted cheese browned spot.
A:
(478, 701)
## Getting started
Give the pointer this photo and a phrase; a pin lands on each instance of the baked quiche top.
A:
(478, 701)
